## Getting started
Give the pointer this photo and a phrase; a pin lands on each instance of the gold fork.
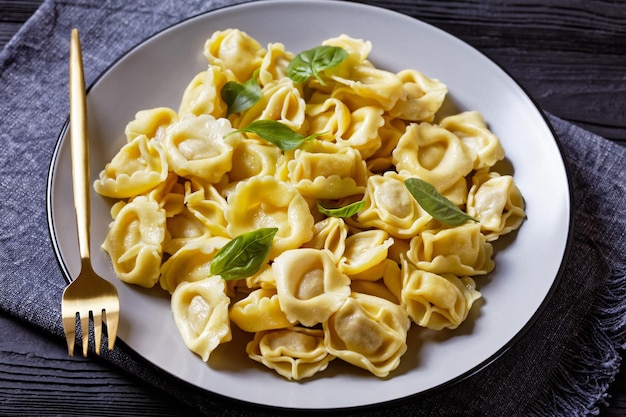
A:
(88, 294)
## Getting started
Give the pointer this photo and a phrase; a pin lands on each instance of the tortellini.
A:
(260, 311)
(235, 52)
(138, 167)
(368, 332)
(389, 206)
(437, 301)
(202, 95)
(201, 147)
(201, 314)
(496, 201)
(355, 259)
(326, 171)
(150, 123)
(281, 101)
(462, 250)
(310, 286)
(295, 353)
(190, 263)
(134, 242)
(433, 154)
(267, 202)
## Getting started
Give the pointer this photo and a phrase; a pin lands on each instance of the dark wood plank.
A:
(570, 56)
(13, 14)
(37, 377)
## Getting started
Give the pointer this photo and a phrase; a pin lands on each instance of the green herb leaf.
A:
(277, 133)
(345, 211)
(240, 97)
(436, 204)
(243, 256)
(313, 61)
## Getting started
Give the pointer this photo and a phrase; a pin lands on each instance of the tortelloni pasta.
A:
(437, 301)
(134, 241)
(138, 167)
(294, 352)
(368, 332)
(201, 147)
(310, 286)
(267, 202)
(356, 259)
(201, 314)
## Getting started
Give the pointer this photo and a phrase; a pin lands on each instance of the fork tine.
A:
(97, 330)
(111, 320)
(69, 327)
(84, 324)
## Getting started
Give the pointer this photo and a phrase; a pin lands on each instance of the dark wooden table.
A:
(569, 55)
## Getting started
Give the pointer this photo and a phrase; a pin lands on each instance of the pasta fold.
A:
(134, 242)
(200, 311)
(310, 287)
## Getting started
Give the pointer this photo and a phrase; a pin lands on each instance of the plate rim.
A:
(128, 350)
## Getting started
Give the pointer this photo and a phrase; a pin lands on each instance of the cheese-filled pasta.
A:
(208, 205)
(310, 286)
(267, 202)
(364, 250)
(433, 154)
(295, 353)
(134, 242)
(390, 207)
(462, 250)
(281, 101)
(150, 123)
(235, 52)
(331, 118)
(201, 146)
(259, 311)
(330, 234)
(202, 95)
(368, 332)
(190, 263)
(181, 229)
(201, 314)
(390, 133)
(327, 171)
(253, 158)
(362, 133)
(137, 168)
(436, 301)
(471, 128)
(366, 85)
(421, 97)
(169, 195)
(360, 48)
(319, 202)
(274, 64)
(496, 201)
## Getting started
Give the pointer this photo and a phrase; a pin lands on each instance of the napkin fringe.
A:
(591, 362)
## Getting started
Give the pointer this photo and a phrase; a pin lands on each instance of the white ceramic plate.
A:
(156, 72)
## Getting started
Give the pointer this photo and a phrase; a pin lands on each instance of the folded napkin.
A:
(561, 366)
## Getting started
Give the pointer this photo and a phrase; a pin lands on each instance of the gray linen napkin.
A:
(561, 366)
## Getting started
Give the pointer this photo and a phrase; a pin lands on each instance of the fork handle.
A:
(79, 145)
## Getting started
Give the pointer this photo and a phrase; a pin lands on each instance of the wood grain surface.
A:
(569, 55)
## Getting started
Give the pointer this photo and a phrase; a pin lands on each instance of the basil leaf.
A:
(240, 97)
(436, 204)
(244, 255)
(277, 133)
(346, 211)
(313, 61)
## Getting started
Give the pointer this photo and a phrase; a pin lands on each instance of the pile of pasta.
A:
(189, 180)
